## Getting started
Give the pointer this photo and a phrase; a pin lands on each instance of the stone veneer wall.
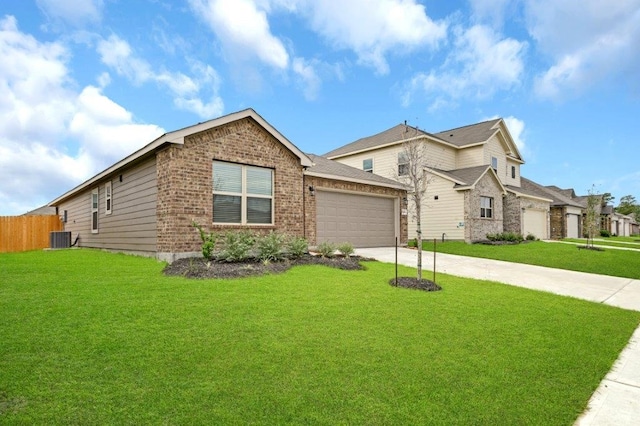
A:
(477, 228)
(185, 187)
(310, 202)
(512, 214)
(558, 223)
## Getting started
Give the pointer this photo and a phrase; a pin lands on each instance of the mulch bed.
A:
(413, 283)
(201, 268)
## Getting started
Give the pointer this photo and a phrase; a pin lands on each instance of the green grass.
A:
(618, 263)
(88, 337)
(624, 242)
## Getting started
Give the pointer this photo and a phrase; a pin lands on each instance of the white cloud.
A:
(308, 77)
(75, 12)
(51, 136)
(187, 91)
(244, 30)
(480, 64)
(375, 29)
(516, 129)
(587, 42)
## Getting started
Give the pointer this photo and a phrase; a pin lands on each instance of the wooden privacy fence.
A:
(22, 233)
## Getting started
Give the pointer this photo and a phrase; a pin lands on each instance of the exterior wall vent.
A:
(59, 239)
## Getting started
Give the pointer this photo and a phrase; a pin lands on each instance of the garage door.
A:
(572, 226)
(535, 222)
(362, 220)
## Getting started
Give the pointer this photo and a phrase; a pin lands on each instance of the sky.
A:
(84, 83)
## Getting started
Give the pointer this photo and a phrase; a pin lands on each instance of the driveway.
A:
(617, 399)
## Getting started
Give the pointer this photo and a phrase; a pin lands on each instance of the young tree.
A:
(592, 217)
(412, 171)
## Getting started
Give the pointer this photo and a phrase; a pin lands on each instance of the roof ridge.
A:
(469, 125)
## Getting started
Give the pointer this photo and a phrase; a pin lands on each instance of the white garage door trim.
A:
(364, 220)
(535, 222)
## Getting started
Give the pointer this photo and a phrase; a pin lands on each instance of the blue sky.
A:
(83, 83)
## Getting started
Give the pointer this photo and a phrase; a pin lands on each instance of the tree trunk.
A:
(419, 245)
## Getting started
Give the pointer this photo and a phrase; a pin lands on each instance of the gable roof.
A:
(468, 177)
(177, 137)
(329, 169)
(471, 134)
(461, 137)
(393, 136)
(558, 198)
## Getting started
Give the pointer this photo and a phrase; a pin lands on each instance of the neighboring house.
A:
(474, 186)
(236, 171)
(41, 211)
(565, 213)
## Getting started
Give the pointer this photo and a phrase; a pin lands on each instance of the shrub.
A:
(512, 237)
(531, 237)
(346, 249)
(297, 247)
(209, 241)
(237, 245)
(326, 249)
(605, 233)
(270, 247)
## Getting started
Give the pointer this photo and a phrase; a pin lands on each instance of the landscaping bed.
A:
(203, 268)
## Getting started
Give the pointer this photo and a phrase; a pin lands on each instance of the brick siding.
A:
(185, 183)
(477, 228)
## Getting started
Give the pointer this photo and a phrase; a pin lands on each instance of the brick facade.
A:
(318, 183)
(185, 183)
(476, 227)
(512, 214)
(558, 222)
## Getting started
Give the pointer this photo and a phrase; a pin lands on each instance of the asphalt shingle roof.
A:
(559, 197)
(322, 165)
(468, 135)
(460, 137)
(467, 175)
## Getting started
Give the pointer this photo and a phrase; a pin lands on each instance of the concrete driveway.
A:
(617, 399)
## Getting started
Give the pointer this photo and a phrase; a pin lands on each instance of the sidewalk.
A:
(617, 399)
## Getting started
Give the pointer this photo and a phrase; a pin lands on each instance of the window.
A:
(107, 198)
(242, 194)
(486, 207)
(403, 164)
(494, 163)
(94, 211)
(513, 172)
(367, 165)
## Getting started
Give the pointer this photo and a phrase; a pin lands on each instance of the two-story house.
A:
(474, 185)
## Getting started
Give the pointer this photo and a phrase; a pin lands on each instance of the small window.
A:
(486, 207)
(513, 172)
(107, 198)
(242, 194)
(94, 211)
(367, 165)
(403, 164)
(494, 163)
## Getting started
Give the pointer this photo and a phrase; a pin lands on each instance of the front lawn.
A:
(618, 263)
(96, 338)
(623, 242)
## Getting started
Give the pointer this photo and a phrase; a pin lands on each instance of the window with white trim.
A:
(94, 210)
(242, 195)
(513, 172)
(107, 198)
(367, 165)
(486, 207)
(403, 164)
(494, 163)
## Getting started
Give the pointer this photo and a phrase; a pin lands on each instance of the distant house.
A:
(475, 184)
(234, 172)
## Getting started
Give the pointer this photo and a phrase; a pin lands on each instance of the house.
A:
(474, 185)
(236, 171)
(565, 213)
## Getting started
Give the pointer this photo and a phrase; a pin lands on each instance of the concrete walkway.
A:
(617, 399)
